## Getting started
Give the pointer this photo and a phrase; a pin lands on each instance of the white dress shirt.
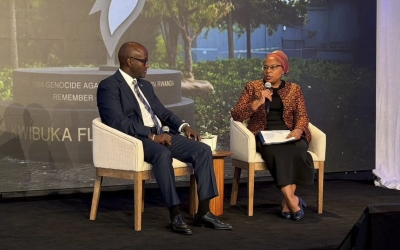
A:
(145, 114)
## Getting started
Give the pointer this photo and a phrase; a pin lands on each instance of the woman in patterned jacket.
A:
(281, 107)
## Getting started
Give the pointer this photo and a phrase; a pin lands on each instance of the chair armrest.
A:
(114, 149)
(318, 142)
(242, 142)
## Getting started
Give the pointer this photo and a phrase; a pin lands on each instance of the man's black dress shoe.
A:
(178, 225)
(210, 220)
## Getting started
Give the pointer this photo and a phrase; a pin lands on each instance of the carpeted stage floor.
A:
(61, 221)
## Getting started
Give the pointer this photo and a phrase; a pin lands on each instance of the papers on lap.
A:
(268, 137)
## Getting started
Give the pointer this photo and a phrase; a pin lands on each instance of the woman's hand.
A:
(264, 94)
(296, 133)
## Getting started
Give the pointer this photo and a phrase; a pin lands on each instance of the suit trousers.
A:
(185, 150)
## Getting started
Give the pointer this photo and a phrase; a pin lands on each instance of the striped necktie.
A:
(147, 106)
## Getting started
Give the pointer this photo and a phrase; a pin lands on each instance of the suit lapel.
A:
(128, 92)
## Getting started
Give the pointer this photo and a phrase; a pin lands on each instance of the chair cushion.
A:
(175, 163)
(113, 149)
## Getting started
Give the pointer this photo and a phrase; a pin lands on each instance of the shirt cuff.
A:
(181, 127)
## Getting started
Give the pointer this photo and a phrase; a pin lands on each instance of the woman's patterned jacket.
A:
(294, 108)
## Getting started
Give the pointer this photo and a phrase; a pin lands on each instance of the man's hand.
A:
(164, 139)
(189, 132)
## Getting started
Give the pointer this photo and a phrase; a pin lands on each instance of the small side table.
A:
(217, 203)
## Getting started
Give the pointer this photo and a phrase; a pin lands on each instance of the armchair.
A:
(118, 155)
(245, 156)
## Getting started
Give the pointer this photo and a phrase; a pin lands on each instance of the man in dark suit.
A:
(128, 103)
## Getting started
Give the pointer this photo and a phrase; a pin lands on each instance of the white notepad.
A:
(268, 137)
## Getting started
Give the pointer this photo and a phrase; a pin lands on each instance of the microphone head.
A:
(268, 85)
(165, 129)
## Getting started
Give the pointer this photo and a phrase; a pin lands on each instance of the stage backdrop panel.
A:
(54, 53)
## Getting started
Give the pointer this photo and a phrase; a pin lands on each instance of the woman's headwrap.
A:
(282, 58)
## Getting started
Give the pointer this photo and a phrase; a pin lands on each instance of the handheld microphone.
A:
(165, 129)
(267, 102)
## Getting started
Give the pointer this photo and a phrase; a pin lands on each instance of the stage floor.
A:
(61, 221)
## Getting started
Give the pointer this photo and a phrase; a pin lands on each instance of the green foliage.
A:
(6, 84)
(81, 65)
(190, 17)
(159, 56)
(228, 77)
(6, 81)
(335, 77)
(207, 135)
(195, 13)
(322, 83)
(269, 13)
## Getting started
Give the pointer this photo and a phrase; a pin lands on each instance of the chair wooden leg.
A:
(235, 185)
(250, 190)
(143, 193)
(96, 196)
(194, 199)
(320, 173)
(138, 199)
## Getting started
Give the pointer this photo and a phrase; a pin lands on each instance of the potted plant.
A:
(210, 140)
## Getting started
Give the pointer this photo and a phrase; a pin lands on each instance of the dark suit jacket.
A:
(119, 108)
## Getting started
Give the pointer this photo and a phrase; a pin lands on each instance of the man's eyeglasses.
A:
(272, 67)
(144, 61)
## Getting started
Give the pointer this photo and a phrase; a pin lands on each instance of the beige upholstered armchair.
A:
(118, 155)
(243, 146)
